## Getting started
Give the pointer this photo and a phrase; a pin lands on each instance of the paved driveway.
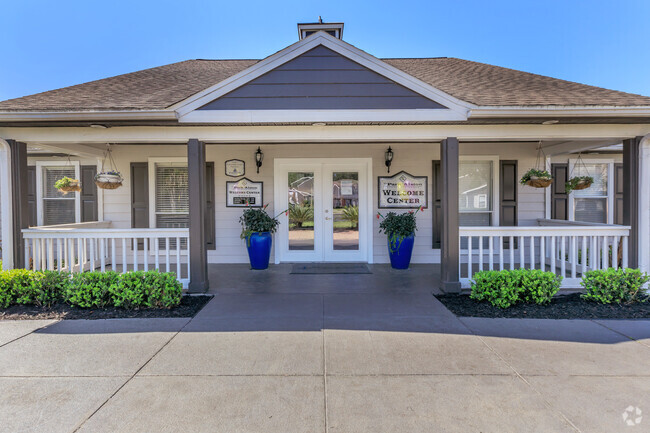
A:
(390, 362)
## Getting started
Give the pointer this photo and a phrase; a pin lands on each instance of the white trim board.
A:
(5, 206)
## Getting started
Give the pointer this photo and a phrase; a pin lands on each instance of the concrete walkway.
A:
(338, 362)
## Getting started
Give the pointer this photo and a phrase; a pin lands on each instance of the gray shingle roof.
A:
(477, 83)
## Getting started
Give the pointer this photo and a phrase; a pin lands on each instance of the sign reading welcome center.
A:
(402, 191)
(244, 193)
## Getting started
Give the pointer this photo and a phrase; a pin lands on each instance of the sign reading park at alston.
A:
(402, 191)
(244, 193)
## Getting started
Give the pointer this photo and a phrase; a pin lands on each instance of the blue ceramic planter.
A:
(400, 258)
(259, 250)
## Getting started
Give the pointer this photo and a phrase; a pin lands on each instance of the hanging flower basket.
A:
(67, 185)
(578, 183)
(109, 180)
(537, 178)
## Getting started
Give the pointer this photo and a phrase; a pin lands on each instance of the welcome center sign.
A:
(403, 191)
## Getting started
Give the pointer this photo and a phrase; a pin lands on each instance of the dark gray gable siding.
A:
(321, 79)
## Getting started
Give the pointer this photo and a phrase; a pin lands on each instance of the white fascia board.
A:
(321, 38)
(288, 116)
(559, 111)
(98, 116)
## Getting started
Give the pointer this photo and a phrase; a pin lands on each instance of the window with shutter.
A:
(590, 204)
(58, 208)
(172, 196)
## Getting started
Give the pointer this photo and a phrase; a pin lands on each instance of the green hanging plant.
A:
(578, 183)
(67, 184)
(533, 177)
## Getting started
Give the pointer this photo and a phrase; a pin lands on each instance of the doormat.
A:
(330, 268)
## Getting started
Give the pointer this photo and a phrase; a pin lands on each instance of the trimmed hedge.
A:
(509, 287)
(131, 290)
(615, 286)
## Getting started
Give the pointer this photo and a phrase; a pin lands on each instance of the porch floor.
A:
(239, 278)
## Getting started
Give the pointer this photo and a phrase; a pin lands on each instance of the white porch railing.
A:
(90, 246)
(568, 250)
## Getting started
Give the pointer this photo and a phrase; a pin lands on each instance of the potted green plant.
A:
(109, 179)
(400, 232)
(578, 183)
(257, 229)
(67, 184)
(537, 178)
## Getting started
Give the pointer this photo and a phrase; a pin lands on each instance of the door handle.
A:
(328, 218)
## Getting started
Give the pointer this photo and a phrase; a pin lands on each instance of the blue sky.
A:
(48, 44)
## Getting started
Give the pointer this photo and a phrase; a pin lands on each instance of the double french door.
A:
(328, 203)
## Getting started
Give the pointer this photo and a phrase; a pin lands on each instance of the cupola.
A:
(308, 29)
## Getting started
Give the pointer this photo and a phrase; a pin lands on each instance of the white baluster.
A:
(574, 256)
(469, 257)
(625, 247)
(113, 262)
(500, 252)
(491, 252)
(178, 257)
(511, 248)
(124, 267)
(480, 253)
(156, 249)
(135, 253)
(102, 256)
(553, 267)
(532, 252)
(27, 257)
(167, 264)
(563, 257)
(542, 253)
(522, 249)
(583, 255)
(146, 254)
(605, 253)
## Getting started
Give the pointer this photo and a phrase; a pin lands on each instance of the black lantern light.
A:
(259, 157)
(389, 158)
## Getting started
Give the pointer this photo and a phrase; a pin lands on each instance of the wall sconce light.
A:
(259, 157)
(389, 158)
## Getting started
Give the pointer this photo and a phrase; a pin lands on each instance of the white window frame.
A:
(40, 165)
(152, 183)
(610, 190)
(495, 183)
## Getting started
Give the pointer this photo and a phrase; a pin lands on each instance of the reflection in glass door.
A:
(345, 210)
(301, 210)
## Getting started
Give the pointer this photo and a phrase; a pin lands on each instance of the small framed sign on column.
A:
(244, 193)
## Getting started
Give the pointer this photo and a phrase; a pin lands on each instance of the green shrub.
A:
(615, 286)
(45, 288)
(150, 289)
(91, 289)
(508, 287)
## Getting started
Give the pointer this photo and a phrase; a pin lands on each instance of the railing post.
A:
(197, 252)
(19, 205)
(450, 249)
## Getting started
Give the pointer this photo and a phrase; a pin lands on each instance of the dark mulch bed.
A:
(561, 307)
(189, 306)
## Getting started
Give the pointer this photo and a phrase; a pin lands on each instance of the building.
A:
(322, 113)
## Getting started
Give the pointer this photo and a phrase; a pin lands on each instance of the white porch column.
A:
(644, 204)
(5, 206)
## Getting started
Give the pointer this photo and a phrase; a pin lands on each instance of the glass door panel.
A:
(345, 210)
(301, 210)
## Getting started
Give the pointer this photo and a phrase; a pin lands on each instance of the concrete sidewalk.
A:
(390, 362)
